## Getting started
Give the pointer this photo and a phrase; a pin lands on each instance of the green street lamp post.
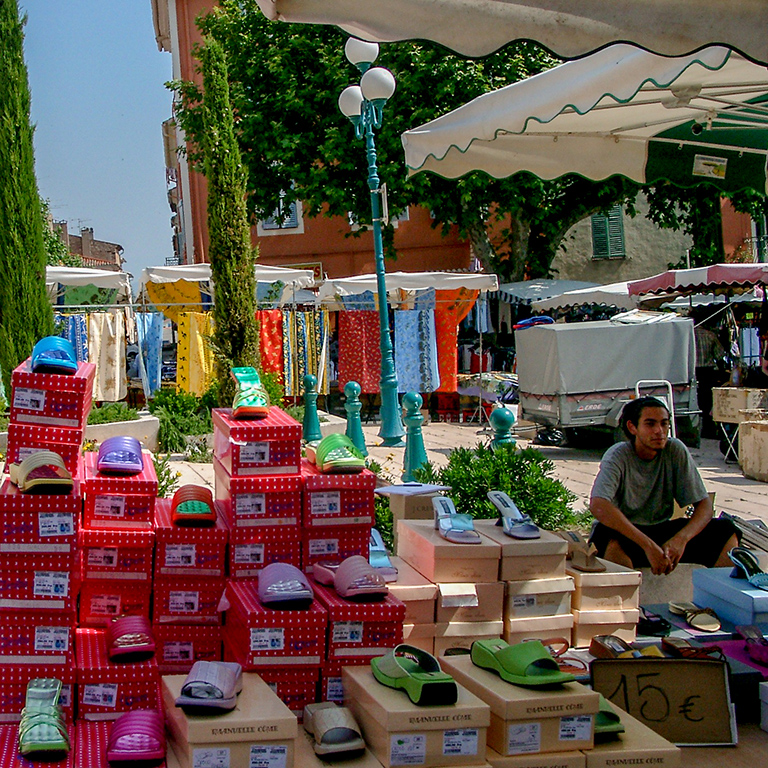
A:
(364, 104)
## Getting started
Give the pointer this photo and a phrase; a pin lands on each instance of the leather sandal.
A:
(42, 730)
(120, 455)
(452, 526)
(416, 672)
(129, 638)
(335, 729)
(703, 619)
(353, 579)
(251, 400)
(680, 648)
(42, 472)
(613, 647)
(193, 506)
(137, 736)
(211, 685)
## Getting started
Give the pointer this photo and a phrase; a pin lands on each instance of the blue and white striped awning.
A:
(528, 291)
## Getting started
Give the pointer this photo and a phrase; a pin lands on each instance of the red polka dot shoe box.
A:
(92, 738)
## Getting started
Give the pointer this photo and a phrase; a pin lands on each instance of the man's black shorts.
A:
(704, 548)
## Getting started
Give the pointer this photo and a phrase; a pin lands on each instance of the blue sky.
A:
(98, 101)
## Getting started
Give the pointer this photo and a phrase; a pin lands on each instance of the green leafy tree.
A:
(56, 251)
(235, 336)
(25, 312)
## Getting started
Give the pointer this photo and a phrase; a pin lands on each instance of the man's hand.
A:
(658, 559)
(674, 549)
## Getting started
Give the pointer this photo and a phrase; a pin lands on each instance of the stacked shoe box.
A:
(538, 591)
(189, 575)
(418, 595)
(605, 602)
(118, 534)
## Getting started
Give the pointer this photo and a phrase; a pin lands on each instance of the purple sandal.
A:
(282, 585)
(120, 455)
(137, 736)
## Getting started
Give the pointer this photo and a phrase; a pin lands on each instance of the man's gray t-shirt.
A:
(645, 490)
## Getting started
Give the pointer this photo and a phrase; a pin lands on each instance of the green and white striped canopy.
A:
(620, 111)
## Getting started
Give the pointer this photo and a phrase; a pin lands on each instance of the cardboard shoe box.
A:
(40, 588)
(728, 401)
(469, 602)
(416, 591)
(90, 747)
(587, 624)
(294, 687)
(336, 543)
(125, 555)
(331, 688)
(547, 760)
(516, 630)
(616, 588)
(337, 499)
(420, 636)
(529, 720)
(13, 688)
(461, 634)
(250, 549)
(420, 545)
(38, 638)
(398, 732)
(538, 597)
(187, 601)
(179, 646)
(523, 559)
(102, 600)
(259, 731)
(734, 600)
(410, 501)
(26, 439)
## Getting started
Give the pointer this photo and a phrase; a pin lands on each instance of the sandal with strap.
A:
(513, 522)
(335, 729)
(42, 472)
(337, 454)
(581, 554)
(353, 579)
(129, 638)
(137, 736)
(452, 526)
(748, 567)
(211, 685)
(608, 723)
(251, 400)
(42, 729)
(378, 557)
(120, 455)
(527, 664)
(681, 648)
(703, 619)
(416, 672)
(613, 647)
(756, 644)
(193, 507)
(54, 354)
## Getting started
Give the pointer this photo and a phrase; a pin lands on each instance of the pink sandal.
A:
(129, 638)
(353, 579)
(137, 736)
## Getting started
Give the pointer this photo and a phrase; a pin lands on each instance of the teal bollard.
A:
(415, 454)
(502, 420)
(311, 426)
(353, 406)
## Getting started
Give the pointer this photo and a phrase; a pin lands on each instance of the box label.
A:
(264, 756)
(523, 738)
(30, 399)
(106, 556)
(576, 728)
(347, 631)
(319, 547)
(249, 554)
(267, 639)
(55, 524)
(105, 605)
(180, 555)
(100, 694)
(26, 452)
(524, 602)
(109, 506)
(460, 741)
(184, 602)
(51, 584)
(65, 699)
(250, 504)
(325, 503)
(335, 690)
(254, 453)
(210, 758)
(408, 749)
(51, 639)
(176, 650)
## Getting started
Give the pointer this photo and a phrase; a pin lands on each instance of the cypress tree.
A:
(230, 252)
(25, 312)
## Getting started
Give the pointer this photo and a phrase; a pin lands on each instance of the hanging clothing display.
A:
(194, 357)
(106, 348)
(416, 351)
(149, 327)
(305, 350)
(359, 350)
(75, 329)
(271, 340)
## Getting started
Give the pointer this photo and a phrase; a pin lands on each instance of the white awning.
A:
(408, 281)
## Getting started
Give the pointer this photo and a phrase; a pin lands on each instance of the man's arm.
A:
(702, 514)
(611, 516)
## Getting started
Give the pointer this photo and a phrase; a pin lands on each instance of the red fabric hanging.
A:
(271, 340)
(359, 349)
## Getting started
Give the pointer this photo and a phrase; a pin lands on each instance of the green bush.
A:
(109, 413)
(272, 382)
(167, 477)
(179, 414)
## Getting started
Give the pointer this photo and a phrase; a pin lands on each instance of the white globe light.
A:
(377, 84)
(360, 52)
(351, 101)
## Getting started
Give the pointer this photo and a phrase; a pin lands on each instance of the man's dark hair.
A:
(632, 410)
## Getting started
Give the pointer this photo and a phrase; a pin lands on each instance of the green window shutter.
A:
(608, 235)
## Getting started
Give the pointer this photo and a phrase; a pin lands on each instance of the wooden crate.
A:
(728, 401)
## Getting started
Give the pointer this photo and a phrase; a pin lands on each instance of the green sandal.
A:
(607, 721)
(336, 454)
(251, 400)
(528, 664)
(416, 672)
(42, 729)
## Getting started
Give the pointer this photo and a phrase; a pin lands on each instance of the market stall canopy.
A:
(611, 295)
(569, 28)
(716, 278)
(531, 291)
(80, 286)
(621, 111)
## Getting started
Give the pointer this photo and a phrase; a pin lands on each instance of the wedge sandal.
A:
(42, 472)
(137, 736)
(282, 585)
(193, 507)
(337, 454)
(54, 354)
(120, 455)
(353, 579)
(526, 664)
(42, 730)
(129, 638)
(416, 672)
(251, 400)
(335, 729)
(452, 526)
(513, 522)
(211, 685)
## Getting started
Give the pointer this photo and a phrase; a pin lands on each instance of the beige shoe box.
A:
(523, 559)
(420, 636)
(461, 634)
(417, 592)
(411, 505)
(638, 745)
(398, 732)
(587, 624)
(538, 628)
(420, 545)
(469, 602)
(259, 728)
(306, 757)
(615, 588)
(538, 597)
(547, 760)
(529, 720)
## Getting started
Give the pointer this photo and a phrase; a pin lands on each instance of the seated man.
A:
(633, 494)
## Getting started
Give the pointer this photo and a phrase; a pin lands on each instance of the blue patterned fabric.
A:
(149, 327)
(425, 299)
(360, 301)
(416, 351)
(75, 329)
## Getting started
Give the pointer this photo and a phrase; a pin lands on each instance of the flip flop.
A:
(337, 454)
(211, 685)
(42, 472)
(193, 507)
(527, 664)
(378, 557)
(353, 579)
(607, 721)
(681, 648)
(581, 554)
(129, 638)
(42, 730)
(756, 644)
(54, 354)
(748, 567)
(137, 736)
(513, 522)
(613, 647)
(120, 455)
(703, 619)
(284, 586)
(335, 729)
(452, 526)
(416, 672)
(251, 400)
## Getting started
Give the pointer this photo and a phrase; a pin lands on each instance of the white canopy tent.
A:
(82, 277)
(530, 291)
(611, 295)
(199, 273)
